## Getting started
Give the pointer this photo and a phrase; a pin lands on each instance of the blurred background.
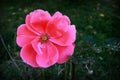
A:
(97, 52)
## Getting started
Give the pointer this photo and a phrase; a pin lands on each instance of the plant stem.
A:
(9, 52)
(43, 74)
(72, 70)
(65, 71)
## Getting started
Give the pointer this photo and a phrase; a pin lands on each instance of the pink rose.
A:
(46, 39)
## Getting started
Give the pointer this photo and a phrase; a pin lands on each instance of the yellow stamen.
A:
(44, 38)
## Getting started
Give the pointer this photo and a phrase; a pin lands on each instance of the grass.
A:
(97, 48)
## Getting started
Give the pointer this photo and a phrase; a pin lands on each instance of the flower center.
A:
(44, 38)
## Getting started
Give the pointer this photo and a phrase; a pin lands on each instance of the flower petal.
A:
(65, 52)
(24, 36)
(29, 55)
(37, 46)
(67, 38)
(57, 25)
(47, 56)
(38, 20)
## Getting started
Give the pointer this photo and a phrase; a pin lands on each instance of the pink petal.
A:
(24, 36)
(47, 54)
(28, 55)
(67, 38)
(37, 20)
(57, 25)
(58, 14)
(65, 52)
(37, 46)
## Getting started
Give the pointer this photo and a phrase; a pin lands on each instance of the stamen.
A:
(44, 38)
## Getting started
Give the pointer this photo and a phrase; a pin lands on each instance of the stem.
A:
(65, 71)
(72, 70)
(4, 45)
(43, 74)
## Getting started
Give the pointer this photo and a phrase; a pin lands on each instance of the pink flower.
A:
(46, 39)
